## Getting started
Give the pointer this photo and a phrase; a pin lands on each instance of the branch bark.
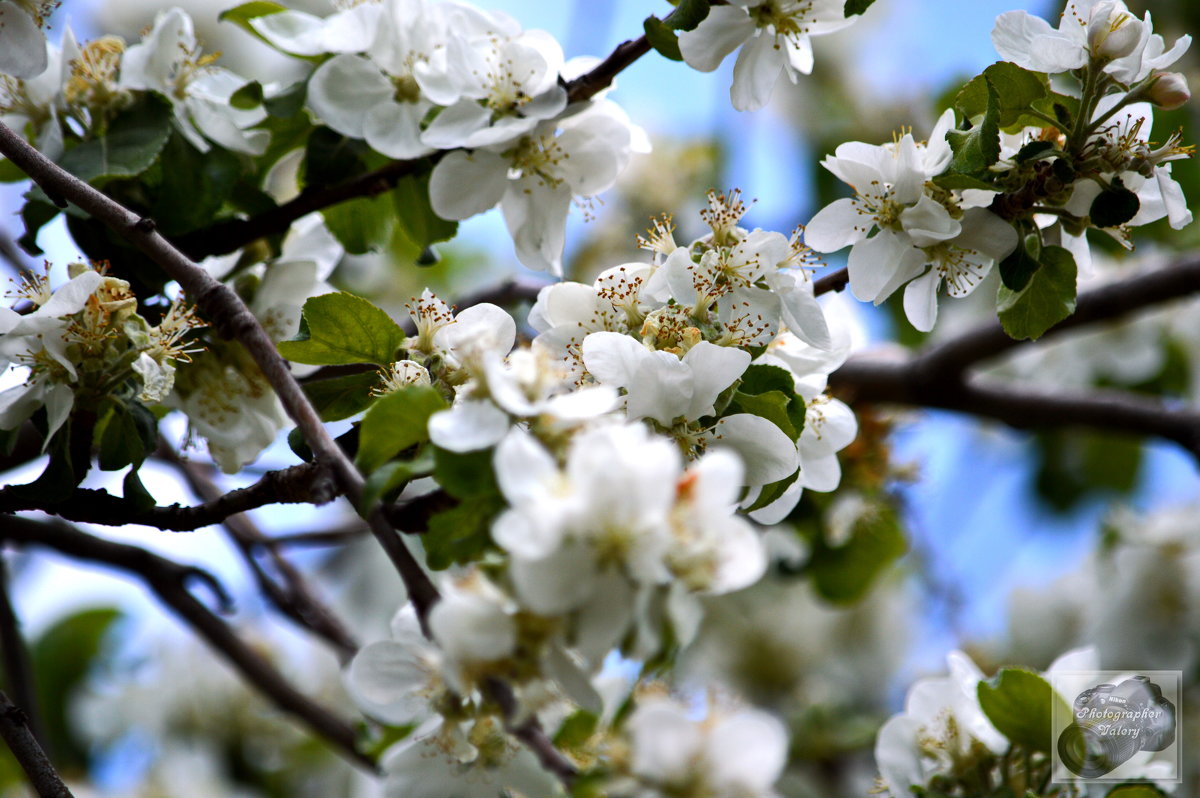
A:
(16, 660)
(14, 728)
(292, 595)
(168, 580)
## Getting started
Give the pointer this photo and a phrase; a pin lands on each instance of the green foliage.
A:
(1048, 298)
(341, 397)
(1020, 704)
(856, 7)
(461, 534)
(1016, 89)
(1135, 791)
(241, 16)
(465, 475)
(395, 422)
(190, 189)
(688, 14)
(126, 433)
(248, 96)
(395, 475)
(132, 144)
(1019, 267)
(1072, 466)
(769, 391)
(978, 148)
(339, 329)
(844, 573)
(363, 224)
(1115, 205)
(61, 658)
(414, 214)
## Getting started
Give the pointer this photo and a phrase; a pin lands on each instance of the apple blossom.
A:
(22, 43)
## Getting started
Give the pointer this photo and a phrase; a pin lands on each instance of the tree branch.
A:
(1112, 301)
(168, 580)
(294, 597)
(233, 320)
(14, 728)
(295, 485)
(17, 669)
(834, 281)
(601, 76)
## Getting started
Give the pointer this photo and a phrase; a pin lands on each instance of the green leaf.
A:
(771, 405)
(1115, 206)
(331, 158)
(341, 328)
(688, 14)
(856, 7)
(844, 573)
(761, 379)
(394, 475)
(342, 397)
(126, 435)
(395, 422)
(132, 490)
(193, 186)
(1045, 301)
(662, 38)
(363, 224)
(62, 657)
(1020, 704)
(248, 96)
(576, 730)
(1016, 90)
(414, 213)
(10, 172)
(952, 180)
(461, 534)
(241, 16)
(466, 475)
(131, 146)
(287, 103)
(36, 215)
(977, 149)
(1033, 150)
(770, 493)
(1135, 791)
(1018, 268)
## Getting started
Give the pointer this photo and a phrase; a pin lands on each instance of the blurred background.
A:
(1018, 546)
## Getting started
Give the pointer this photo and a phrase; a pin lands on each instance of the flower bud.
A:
(1169, 91)
(1113, 32)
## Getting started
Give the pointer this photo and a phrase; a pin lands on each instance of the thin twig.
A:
(834, 281)
(169, 581)
(304, 483)
(294, 597)
(17, 667)
(14, 728)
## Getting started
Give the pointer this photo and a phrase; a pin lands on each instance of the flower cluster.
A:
(412, 78)
(81, 88)
(84, 344)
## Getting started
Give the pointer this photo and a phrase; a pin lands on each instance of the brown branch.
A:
(834, 281)
(169, 580)
(901, 382)
(294, 597)
(14, 728)
(324, 537)
(303, 483)
(1112, 301)
(17, 668)
(234, 320)
(601, 76)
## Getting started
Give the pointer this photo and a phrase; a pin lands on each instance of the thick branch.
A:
(294, 485)
(168, 580)
(904, 382)
(14, 728)
(1112, 301)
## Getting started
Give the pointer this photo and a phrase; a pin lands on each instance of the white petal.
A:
(837, 225)
(898, 756)
(386, 678)
(22, 43)
(468, 426)
(344, 89)
(394, 129)
(292, 31)
(767, 453)
(881, 264)
(714, 368)
(920, 300)
(756, 72)
(717, 36)
(464, 184)
(747, 752)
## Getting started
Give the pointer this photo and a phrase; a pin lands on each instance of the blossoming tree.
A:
(614, 511)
